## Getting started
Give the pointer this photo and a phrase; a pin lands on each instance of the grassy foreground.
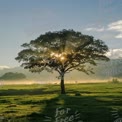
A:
(98, 102)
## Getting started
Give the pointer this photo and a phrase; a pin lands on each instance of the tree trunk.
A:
(62, 84)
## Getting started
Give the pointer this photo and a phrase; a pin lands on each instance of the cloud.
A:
(114, 53)
(95, 29)
(117, 27)
(119, 36)
(114, 26)
(4, 67)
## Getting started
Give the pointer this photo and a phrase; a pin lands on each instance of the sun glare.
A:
(52, 54)
(60, 56)
(55, 54)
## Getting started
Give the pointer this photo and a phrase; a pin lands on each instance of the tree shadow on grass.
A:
(13, 92)
(89, 108)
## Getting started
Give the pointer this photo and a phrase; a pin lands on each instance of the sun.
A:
(58, 56)
(62, 58)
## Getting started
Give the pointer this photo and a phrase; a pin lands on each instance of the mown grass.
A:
(32, 103)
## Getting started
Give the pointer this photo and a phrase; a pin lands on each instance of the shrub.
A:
(115, 80)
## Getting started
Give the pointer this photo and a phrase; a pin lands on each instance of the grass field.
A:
(98, 102)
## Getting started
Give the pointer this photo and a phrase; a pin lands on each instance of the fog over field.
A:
(104, 72)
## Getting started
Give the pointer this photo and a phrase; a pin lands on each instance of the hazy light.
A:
(56, 55)
(52, 54)
(62, 58)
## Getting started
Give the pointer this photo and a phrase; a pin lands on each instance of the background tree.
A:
(13, 76)
(62, 51)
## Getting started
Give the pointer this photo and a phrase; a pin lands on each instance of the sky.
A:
(24, 20)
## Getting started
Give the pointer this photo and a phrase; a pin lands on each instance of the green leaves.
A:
(71, 51)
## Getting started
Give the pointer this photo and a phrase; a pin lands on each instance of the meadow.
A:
(88, 102)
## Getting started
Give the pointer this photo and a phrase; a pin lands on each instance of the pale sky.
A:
(24, 20)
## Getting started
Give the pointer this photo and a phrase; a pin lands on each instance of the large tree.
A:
(62, 51)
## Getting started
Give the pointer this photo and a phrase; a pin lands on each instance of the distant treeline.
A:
(12, 76)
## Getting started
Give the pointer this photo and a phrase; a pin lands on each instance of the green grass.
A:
(31, 103)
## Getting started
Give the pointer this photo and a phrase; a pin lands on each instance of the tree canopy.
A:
(62, 51)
